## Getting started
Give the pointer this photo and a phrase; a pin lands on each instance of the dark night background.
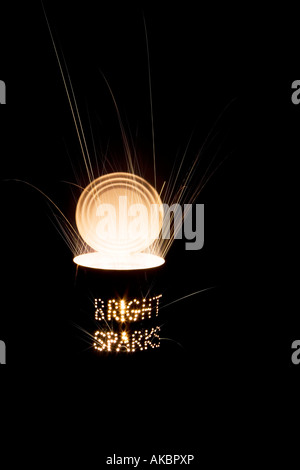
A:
(232, 339)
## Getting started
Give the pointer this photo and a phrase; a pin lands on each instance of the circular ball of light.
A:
(119, 215)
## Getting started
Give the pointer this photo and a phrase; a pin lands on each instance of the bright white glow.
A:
(129, 262)
(119, 214)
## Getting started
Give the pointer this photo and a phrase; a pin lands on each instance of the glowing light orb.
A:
(119, 215)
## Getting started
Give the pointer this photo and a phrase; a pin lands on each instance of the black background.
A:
(229, 343)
